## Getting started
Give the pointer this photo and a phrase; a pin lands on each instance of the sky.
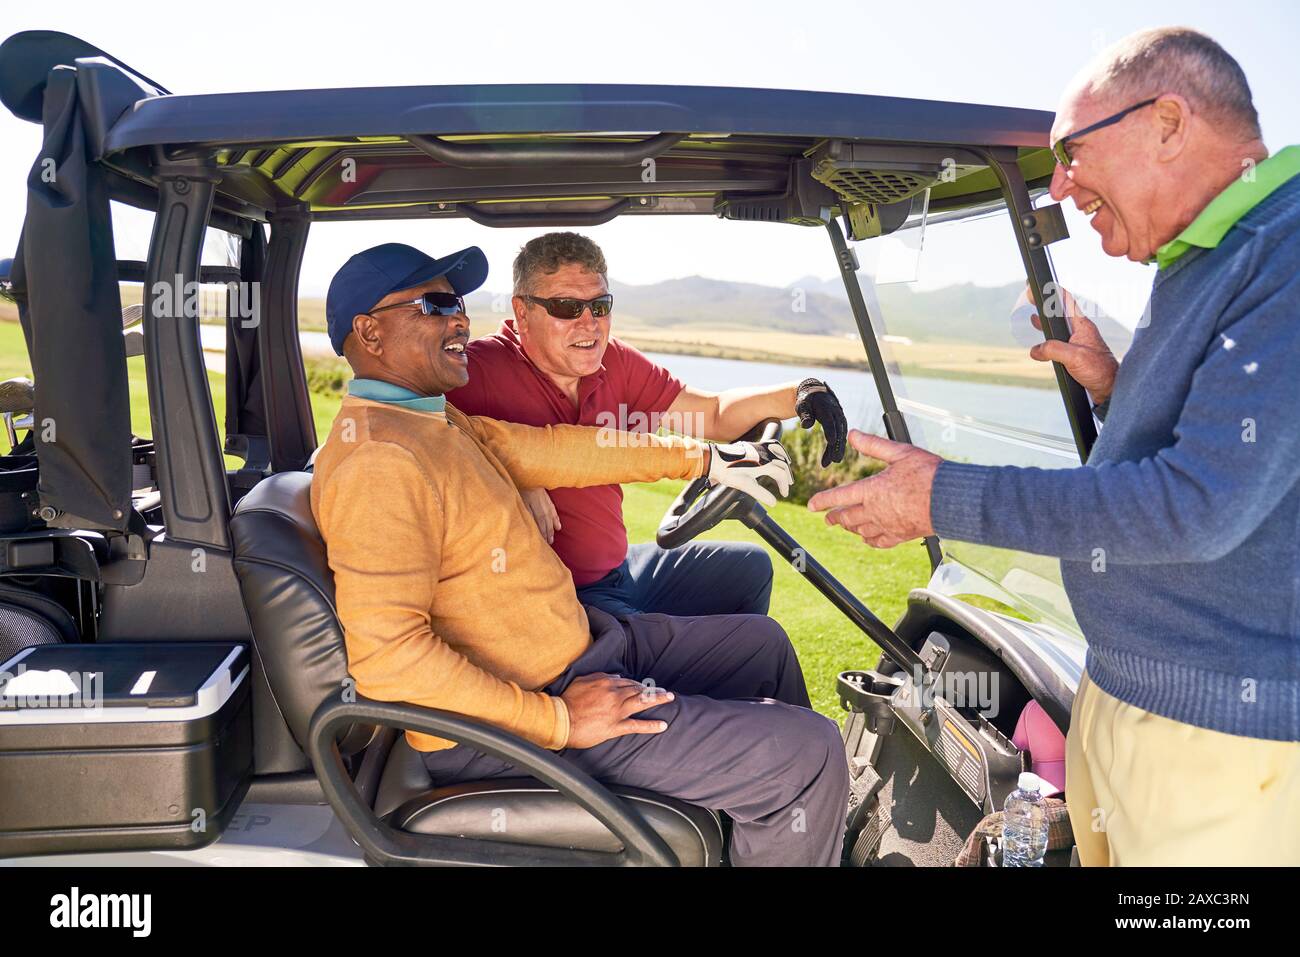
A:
(931, 50)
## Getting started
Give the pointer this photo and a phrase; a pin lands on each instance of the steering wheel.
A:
(699, 507)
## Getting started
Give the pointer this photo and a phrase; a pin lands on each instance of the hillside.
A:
(962, 331)
(966, 313)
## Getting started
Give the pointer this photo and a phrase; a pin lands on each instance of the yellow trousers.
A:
(1147, 790)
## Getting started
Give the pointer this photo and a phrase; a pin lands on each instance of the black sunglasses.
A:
(573, 308)
(1061, 148)
(433, 304)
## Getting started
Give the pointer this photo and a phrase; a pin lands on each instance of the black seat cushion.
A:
(525, 811)
(288, 591)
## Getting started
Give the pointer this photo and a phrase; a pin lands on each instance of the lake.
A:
(979, 422)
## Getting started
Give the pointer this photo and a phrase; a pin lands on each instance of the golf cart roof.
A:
(527, 155)
(538, 154)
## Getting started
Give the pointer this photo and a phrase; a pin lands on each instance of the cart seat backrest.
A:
(288, 591)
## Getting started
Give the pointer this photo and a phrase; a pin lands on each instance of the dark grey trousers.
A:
(741, 736)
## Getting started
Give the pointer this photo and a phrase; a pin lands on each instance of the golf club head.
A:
(17, 395)
(134, 340)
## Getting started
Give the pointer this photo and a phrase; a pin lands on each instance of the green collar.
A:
(1225, 210)
(379, 391)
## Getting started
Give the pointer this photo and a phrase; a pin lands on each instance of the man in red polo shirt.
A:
(554, 362)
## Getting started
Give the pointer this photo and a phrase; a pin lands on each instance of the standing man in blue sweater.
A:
(1180, 539)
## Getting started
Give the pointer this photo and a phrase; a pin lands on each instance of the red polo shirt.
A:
(625, 393)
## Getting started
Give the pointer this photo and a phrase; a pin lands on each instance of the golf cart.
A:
(176, 678)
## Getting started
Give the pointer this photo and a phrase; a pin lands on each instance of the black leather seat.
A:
(288, 591)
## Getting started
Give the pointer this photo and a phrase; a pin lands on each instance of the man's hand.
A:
(890, 507)
(601, 707)
(815, 402)
(544, 513)
(740, 465)
(1086, 356)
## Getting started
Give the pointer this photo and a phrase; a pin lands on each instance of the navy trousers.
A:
(741, 736)
(699, 578)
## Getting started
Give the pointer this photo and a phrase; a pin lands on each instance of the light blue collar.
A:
(379, 391)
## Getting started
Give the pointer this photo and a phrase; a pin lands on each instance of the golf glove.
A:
(740, 465)
(815, 402)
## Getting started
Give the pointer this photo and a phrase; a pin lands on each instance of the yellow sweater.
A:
(448, 594)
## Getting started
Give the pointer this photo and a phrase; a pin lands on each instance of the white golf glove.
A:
(740, 465)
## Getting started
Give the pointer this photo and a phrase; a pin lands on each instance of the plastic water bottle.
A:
(1024, 824)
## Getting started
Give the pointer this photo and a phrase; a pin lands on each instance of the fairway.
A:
(826, 642)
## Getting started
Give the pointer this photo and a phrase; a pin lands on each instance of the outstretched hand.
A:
(890, 507)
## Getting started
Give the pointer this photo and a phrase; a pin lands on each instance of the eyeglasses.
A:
(573, 308)
(1061, 148)
(433, 304)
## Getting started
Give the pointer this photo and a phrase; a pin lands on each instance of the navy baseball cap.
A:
(372, 274)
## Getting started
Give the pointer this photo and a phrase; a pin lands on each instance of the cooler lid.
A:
(120, 681)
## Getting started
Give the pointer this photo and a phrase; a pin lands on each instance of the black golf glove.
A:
(815, 402)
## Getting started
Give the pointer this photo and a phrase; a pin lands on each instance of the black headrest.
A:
(288, 591)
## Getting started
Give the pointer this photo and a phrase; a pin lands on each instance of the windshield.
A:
(947, 295)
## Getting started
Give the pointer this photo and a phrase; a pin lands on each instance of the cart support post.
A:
(1046, 292)
(284, 382)
(895, 425)
(191, 470)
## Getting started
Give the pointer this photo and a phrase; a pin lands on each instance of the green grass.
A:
(826, 642)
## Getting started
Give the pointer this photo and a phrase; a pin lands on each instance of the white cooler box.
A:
(122, 745)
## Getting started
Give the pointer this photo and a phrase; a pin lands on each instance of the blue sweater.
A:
(1180, 539)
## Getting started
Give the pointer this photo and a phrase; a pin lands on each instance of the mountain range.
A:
(959, 313)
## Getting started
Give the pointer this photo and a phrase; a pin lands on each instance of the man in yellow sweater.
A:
(450, 598)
